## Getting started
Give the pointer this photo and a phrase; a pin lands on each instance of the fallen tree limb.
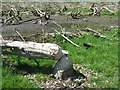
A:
(108, 10)
(28, 20)
(8, 19)
(34, 50)
(95, 10)
(59, 26)
(97, 34)
(67, 39)
(20, 22)
(64, 35)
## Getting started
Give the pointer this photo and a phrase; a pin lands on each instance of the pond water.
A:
(68, 24)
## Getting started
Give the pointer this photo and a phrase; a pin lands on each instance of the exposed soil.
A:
(65, 21)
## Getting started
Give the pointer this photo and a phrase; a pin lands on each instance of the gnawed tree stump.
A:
(64, 66)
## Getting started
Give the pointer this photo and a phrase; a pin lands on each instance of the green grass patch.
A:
(13, 80)
(102, 58)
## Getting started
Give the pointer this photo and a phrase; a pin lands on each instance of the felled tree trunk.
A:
(34, 50)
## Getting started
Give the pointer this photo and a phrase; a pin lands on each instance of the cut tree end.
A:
(64, 68)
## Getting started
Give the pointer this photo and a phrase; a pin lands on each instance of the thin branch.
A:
(43, 34)
(68, 39)
(16, 30)
(59, 26)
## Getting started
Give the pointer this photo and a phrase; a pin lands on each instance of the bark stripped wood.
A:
(75, 15)
(68, 39)
(22, 21)
(63, 35)
(96, 34)
(59, 26)
(95, 10)
(16, 30)
(108, 10)
(5, 21)
(34, 50)
(41, 14)
(12, 15)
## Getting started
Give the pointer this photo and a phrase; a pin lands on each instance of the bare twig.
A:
(67, 39)
(108, 10)
(43, 34)
(8, 19)
(59, 26)
(96, 33)
(64, 35)
(16, 30)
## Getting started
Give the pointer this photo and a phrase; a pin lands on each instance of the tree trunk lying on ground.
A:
(32, 50)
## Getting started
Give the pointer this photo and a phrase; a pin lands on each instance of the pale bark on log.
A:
(108, 10)
(33, 50)
(97, 34)
(63, 68)
(70, 41)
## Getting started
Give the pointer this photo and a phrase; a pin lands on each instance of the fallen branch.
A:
(8, 19)
(67, 39)
(16, 30)
(64, 35)
(96, 33)
(59, 26)
(34, 50)
(108, 10)
(29, 20)
(95, 10)
(75, 15)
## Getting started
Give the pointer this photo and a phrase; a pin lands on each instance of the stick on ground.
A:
(16, 30)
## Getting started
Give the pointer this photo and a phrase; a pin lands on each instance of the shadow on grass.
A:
(34, 69)
(28, 69)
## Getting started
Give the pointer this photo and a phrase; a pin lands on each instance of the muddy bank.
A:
(65, 21)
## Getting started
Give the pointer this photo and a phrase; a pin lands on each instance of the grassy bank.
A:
(101, 58)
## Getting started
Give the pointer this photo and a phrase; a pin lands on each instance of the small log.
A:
(96, 34)
(34, 50)
(108, 10)
(95, 10)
